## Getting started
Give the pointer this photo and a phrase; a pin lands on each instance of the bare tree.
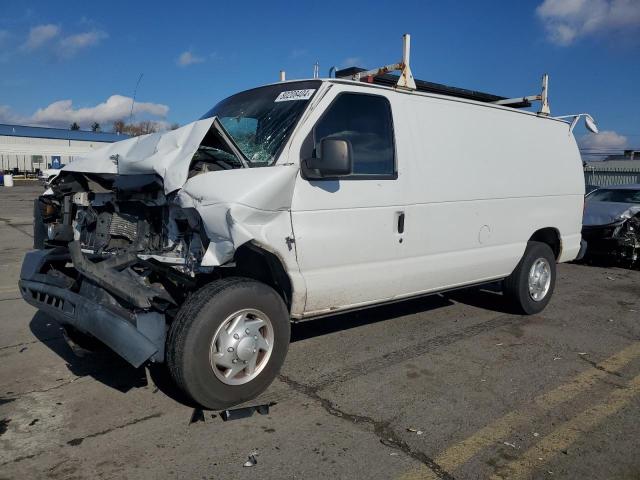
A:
(118, 126)
(135, 129)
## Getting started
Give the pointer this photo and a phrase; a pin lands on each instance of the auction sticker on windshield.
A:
(290, 95)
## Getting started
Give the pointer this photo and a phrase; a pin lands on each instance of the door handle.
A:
(400, 222)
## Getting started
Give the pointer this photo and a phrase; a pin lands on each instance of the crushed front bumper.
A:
(136, 337)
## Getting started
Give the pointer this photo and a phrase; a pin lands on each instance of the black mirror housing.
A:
(335, 158)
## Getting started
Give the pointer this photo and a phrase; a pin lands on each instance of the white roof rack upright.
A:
(543, 97)
(406, 77)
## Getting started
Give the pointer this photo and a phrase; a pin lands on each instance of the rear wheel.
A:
(531, 284)
(228, 342)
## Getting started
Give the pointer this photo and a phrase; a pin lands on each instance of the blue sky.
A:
(78, 60)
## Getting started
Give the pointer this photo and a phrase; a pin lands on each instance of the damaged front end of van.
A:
(125, 234)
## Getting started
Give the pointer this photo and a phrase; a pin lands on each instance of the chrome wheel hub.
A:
(539, 279)
(241, 347)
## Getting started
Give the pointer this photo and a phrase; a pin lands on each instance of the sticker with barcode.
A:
(290, 95)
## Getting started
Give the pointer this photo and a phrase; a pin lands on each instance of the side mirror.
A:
(335, 158)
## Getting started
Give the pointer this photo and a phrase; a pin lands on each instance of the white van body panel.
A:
(475, 182)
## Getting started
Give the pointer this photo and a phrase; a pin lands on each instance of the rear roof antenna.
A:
(283, 75)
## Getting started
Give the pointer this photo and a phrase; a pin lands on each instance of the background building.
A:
(627, 155)
(29, 149)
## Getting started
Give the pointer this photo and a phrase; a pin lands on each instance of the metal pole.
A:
(406, 76)
(544, 96)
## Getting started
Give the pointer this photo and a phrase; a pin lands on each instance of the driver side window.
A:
(365, 121)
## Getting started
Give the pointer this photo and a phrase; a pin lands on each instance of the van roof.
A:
(363, 84)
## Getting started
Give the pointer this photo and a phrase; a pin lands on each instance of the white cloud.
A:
(188, 58)
(598, 146)
(604, 140)
(69, 46)
(40, 36)
(62, 113)
(8, 116)
(568, 20)
(49, 38)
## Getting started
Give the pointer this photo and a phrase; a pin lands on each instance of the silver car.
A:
(611, 223)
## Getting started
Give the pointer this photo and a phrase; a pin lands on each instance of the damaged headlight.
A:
(59, 232)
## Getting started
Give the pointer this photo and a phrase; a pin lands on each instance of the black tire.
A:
(516, 285)
(39, 228)
(192, 331)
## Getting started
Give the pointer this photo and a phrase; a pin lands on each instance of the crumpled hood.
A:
(167, 154)
(604, 213)
(236, 206)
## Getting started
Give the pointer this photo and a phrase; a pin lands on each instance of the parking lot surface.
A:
(450, 386)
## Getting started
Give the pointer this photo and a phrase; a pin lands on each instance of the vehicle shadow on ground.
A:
(488, 297)
(603, 261)
(345, 321)
(109, 369)
(102, 364)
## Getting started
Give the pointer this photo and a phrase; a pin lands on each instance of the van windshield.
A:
(261, 120)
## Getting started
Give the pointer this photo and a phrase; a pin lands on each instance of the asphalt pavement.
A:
(448, 386)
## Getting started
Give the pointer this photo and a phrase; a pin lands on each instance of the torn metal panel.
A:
(167, 154)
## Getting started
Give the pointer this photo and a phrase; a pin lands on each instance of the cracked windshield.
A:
(260, 120)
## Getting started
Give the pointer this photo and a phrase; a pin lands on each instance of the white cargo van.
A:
(197, 247)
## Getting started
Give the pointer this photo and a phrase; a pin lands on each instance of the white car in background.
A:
(48, 174)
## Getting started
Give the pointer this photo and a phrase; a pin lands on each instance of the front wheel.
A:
(531, 284)
(228, 342)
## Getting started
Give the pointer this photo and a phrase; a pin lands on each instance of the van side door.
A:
(347, 227)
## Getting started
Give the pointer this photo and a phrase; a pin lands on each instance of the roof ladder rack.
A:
(543, 98)
(406, 77)
(381, 76)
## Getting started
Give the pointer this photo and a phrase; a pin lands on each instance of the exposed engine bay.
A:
(125, 235)
(110, 214)
(107, 218)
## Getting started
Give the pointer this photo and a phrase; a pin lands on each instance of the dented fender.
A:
(238, 206)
